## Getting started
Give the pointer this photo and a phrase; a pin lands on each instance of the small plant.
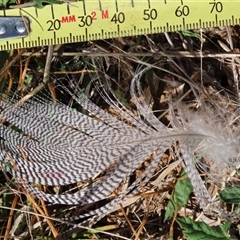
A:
(193, 230)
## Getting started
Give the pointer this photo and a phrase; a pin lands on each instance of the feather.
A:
(63, 146)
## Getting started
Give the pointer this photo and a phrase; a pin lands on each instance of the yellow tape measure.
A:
(102, 19)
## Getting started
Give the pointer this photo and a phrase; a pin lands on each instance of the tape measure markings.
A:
(102, 19)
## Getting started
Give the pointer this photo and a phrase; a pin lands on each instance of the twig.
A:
(9, 223)
(49, 222)
(170, 54)
(129, 222)
(6, 68)
(45, 78)
(146, 215)
(61, 221)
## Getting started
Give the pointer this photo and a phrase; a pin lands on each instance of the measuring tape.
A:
(103, 19)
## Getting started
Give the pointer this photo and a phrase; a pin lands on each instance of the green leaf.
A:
(190, 34)
(40, 3)
(27, 81)
(87, 233)
(230, 195)
(6, 3)
(121, 98)
(179, 197)
(201, 231)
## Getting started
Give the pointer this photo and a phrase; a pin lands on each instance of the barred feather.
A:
(63, 146)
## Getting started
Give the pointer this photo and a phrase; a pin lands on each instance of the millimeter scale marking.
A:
(103, 19)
